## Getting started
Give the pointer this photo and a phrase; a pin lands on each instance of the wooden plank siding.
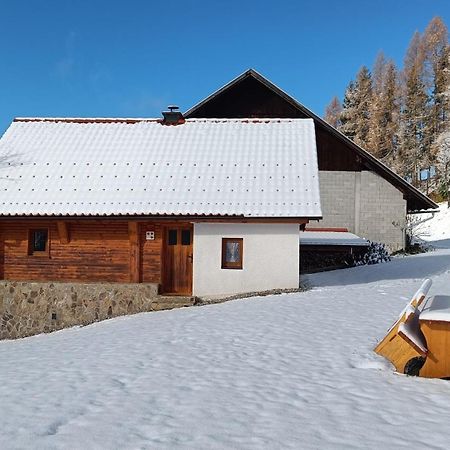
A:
(151, 252)
(97, 251)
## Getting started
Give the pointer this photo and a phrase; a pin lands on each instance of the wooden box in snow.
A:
(404, 345)
(435, 325)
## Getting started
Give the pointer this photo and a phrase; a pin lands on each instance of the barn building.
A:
(358, 192)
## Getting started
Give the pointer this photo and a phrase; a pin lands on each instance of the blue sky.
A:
(132, 58)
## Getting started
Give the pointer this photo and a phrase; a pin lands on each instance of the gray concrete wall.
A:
(366, 204)
(28, 308)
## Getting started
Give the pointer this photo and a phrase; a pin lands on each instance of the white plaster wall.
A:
(365, 203)
(271, 258)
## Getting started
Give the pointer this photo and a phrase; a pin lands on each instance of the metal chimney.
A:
(172, 116)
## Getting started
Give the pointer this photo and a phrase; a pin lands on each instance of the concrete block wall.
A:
(337, 196)
(383, 211)
(366, 204)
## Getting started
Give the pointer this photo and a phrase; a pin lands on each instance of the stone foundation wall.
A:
(28, 308)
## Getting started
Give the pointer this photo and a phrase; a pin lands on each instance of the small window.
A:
(172, 237)
(185, 237)
(232, 252)
(38, 242)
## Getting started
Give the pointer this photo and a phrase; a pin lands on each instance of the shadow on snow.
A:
(411, 267)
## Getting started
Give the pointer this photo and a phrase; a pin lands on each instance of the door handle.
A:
(191, 257)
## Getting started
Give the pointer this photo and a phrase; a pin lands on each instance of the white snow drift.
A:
(290, 371)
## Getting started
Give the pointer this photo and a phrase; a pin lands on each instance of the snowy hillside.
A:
(290, 371)
(437, 228)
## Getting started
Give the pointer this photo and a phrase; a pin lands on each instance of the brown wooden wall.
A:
(151, 252)
(97, 250)
(249, 98)
(334, 154)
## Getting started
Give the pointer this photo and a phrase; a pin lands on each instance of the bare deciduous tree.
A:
(333, 112)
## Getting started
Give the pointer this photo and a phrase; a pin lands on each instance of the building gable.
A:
(252, 95)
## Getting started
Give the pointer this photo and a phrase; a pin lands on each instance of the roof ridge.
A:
(86, 119)
(102, 120)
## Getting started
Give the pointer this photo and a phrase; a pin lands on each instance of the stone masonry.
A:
(366, 204)
(28, 308)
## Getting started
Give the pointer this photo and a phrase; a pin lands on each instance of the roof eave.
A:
(160, 217)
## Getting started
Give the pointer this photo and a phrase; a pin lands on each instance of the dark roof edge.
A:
(240, 77)
(252, 72)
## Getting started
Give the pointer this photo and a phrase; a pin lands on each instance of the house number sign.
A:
(150, 235)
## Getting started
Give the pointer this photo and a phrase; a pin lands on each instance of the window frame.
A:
(237, 265)
(41, 253)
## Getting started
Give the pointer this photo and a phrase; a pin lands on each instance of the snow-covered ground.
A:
(290, 371)
(437, 228)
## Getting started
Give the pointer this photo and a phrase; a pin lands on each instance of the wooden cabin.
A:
(200, 206)
(206, 203)
(358, 192)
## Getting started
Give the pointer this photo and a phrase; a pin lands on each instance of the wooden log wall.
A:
(82, 250)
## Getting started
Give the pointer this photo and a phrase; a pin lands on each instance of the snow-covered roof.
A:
(331, 238)
(246, 167)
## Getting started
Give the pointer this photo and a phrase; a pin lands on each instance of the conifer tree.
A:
(363, 105)
(348, 114)
(441, 91)
(441, 112)
(414, 119)
(434, 43)
(403, 118)
(391, 113)
(356, 108)
(383, 131)
(436, 67)
(379, 73)
(333, 112)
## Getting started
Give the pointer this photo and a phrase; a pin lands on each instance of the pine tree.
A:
(414, 114)
(441, 111)
(414, 118)
(443, 164)
(348, 114)
(391, 113)
(356, 108)
(363, 106)
(441, 91)
(383, 132)
(434, 43)
(403, 118)
(379, 73)
(333, 112)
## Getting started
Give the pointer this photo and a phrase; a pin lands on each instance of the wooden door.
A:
(177, 269)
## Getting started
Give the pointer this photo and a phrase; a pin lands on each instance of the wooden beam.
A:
(63, 231)
(135, 263)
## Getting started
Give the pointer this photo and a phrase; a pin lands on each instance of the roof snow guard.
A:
(119, 167)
